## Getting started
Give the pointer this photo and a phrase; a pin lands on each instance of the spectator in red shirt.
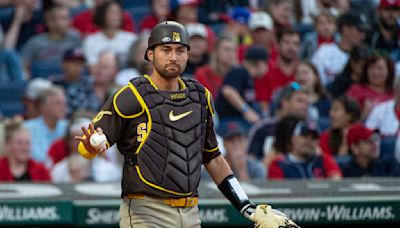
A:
(302, 160)
(222, 60)
(17, 164)
(160, 12)
(61, 148)
(281, 71)
(84, 21)
(376, 84)
(344, 112)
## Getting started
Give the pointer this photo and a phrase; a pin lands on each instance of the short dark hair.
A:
(256, 53)
(287, 32)
(99, 17)
(48, 13)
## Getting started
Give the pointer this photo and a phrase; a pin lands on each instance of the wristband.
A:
(232, 190)
(245, 108)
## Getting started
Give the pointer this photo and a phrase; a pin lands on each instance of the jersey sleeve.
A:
(210, 149)
(111, 119)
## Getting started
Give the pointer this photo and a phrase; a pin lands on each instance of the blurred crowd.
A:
(302, 88)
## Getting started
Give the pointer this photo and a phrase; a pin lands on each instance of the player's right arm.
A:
(110, 121)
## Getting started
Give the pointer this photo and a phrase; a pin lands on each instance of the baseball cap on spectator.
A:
(287, 91)
(36, 86)
(358, 132)
(240, 15)
(231, 129)
(255, 53)
(260, 20)
(196, 29)
(389, 4)
(74, 54)
(354, 19)
(303, 128)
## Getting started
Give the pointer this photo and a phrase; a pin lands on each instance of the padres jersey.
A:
(165, 136)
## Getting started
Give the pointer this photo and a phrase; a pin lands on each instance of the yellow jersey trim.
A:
(211, 150)
(85, 153)
(151, 81)
(159, 187)
(149, 125)
(144, 108)
(117, 109)
(208, 95)
(182, 84)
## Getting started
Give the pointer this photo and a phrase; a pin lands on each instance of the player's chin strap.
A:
(232, 190)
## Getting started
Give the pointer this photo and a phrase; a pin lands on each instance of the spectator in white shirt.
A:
(386, 115)
(330, 59)
(108, 17)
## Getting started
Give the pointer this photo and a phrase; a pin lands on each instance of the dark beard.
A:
(286, 59)
(163, 72)
(389, 27)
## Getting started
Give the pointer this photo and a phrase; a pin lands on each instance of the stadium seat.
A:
(388, 145)
(138, 13)
(126, 4)
(6, 13)
(11, 99)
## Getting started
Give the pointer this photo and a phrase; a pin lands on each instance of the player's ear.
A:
(150, 54)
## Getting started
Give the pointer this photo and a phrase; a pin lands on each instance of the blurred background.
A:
(306, 94)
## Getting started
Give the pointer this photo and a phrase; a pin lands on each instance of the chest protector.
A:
(169, 158)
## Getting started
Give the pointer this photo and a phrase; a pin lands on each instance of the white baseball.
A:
(97, 140)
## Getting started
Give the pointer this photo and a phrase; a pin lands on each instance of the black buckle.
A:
(131, 159)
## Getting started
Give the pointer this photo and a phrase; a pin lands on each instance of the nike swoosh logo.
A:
(173, 117)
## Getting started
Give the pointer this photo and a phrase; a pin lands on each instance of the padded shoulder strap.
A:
(126, 103)
(193, 84)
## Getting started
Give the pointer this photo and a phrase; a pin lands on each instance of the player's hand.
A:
(266, 217)
(85, 139)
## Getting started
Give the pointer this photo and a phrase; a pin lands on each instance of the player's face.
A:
(169, 60)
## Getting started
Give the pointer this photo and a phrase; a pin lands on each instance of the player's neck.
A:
(162, 83)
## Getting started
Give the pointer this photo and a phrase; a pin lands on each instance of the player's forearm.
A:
(222, 175)
(218, 169)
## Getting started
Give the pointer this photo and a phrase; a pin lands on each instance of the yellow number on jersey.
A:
(141, 131)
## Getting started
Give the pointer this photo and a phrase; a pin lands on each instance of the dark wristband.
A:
(232, 190)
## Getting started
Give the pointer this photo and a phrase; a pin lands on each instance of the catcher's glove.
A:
(265, 217)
